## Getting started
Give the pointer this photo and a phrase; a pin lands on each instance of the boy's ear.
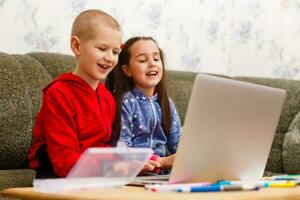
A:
(126, 70)
(75, 45)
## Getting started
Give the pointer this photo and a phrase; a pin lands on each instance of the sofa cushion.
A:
(16, 178)
(15, 114)
(274, 163)
(180, 87)
(55, 63)
(36, 78)
(291, 148)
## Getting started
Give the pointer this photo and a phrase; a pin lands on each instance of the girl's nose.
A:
(151, 63)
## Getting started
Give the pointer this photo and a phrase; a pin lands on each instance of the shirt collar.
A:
(141, 96)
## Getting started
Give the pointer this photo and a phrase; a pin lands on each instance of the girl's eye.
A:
(156, 58)
(101, 48)
(142, 59)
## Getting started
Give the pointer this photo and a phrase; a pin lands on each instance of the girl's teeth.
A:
(151, 73)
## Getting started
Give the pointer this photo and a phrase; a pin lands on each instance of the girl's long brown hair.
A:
(118, 84)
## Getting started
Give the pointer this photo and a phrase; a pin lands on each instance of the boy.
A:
(77, 110)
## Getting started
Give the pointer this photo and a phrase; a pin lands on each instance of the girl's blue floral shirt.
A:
(141, 124)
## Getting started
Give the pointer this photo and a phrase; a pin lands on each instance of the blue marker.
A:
(284, 178)
(218, 188)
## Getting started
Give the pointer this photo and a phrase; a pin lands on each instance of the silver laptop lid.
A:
(228, 130)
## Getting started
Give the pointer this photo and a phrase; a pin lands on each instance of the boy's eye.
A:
(117, 52)
(101, 48)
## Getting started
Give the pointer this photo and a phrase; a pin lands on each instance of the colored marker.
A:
(262, 183)
(218, 188)
(285, 177)
(282, 185)
(174, 187)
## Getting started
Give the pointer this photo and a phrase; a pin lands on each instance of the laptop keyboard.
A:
(145, 180)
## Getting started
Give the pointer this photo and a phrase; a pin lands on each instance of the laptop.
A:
(228, 131)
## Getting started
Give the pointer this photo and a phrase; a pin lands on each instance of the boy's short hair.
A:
(86, 20)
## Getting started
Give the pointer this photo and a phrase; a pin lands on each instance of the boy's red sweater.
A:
(72, 118)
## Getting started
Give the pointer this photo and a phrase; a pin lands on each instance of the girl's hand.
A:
(149, 166)
(166, 162)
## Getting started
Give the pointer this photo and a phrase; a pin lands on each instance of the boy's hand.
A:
(166, 162)
(121, 169)
(149, 166)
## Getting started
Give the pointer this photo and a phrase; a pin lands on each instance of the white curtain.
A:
(231, 37)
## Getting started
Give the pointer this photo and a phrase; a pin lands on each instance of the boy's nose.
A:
(109, 56)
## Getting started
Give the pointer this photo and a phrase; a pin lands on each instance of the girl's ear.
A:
(75, 45)
(126, 70)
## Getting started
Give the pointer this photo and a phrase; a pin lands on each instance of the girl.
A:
(146, 117)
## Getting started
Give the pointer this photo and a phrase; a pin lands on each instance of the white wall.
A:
(231, 37)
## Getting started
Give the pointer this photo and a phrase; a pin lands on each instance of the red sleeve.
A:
(154, 157)
(156, 169)
(60, 131)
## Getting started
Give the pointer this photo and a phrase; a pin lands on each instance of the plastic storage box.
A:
(99, 168)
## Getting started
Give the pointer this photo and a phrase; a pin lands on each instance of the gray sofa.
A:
(22, 78)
